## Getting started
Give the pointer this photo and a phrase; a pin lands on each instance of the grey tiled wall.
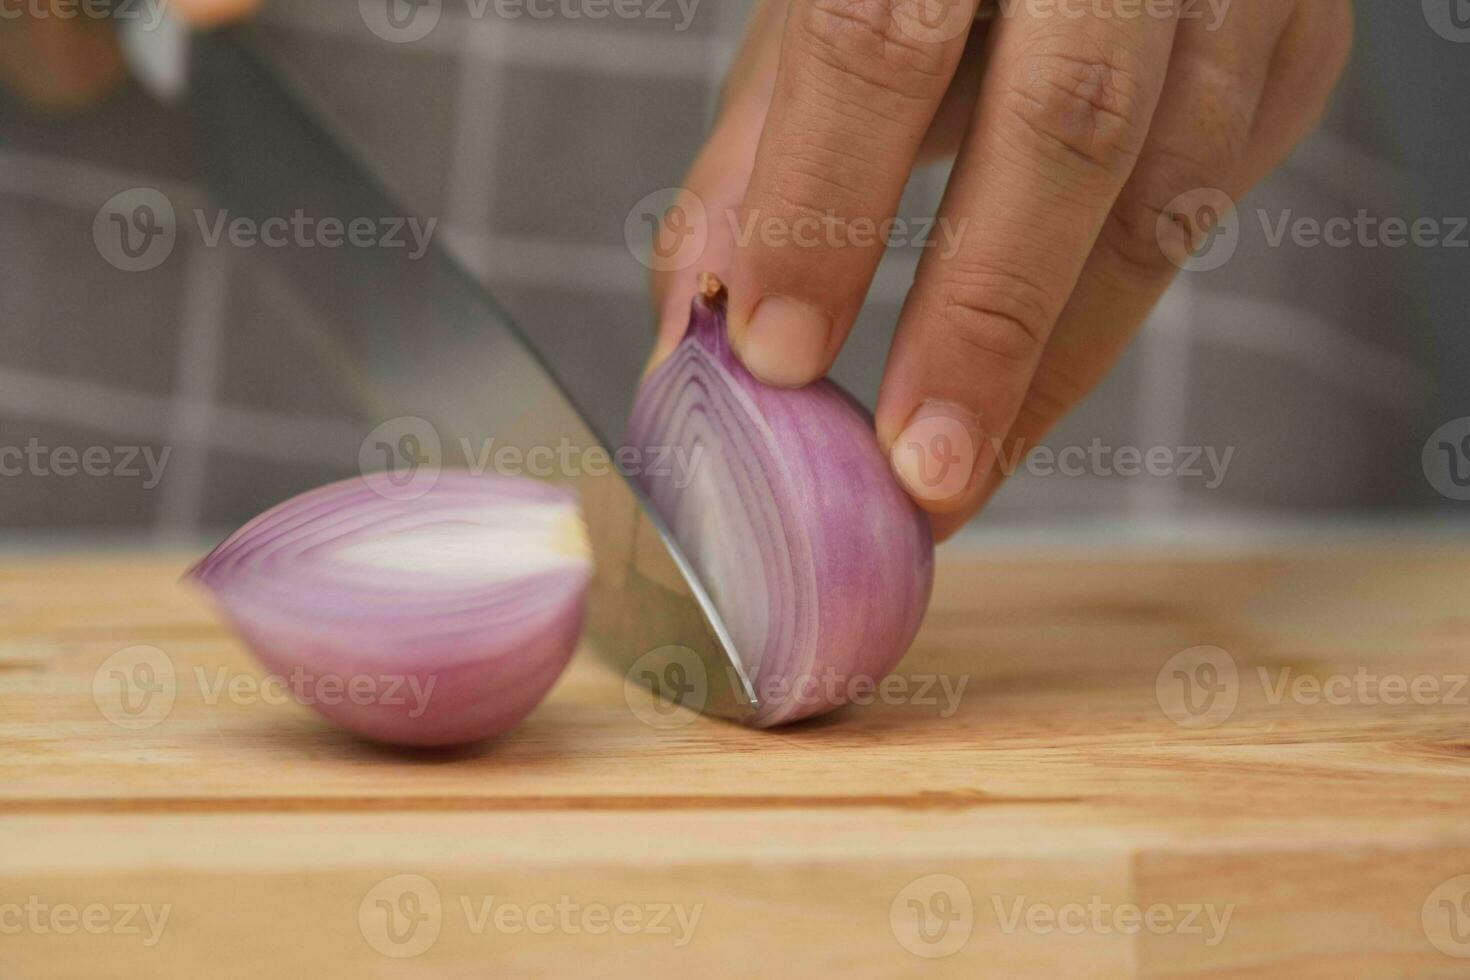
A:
(531, 141)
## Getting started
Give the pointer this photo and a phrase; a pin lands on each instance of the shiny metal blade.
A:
(422, 340)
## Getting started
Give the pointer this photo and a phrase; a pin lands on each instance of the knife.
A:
(422, 340)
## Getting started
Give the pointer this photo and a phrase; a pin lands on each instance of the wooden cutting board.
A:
(1101, 799)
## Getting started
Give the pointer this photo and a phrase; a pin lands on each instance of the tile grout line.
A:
(1160, 413)
(192, 411)
(469, 198)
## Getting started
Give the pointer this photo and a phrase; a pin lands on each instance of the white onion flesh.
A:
(452, 613)
(818, 562)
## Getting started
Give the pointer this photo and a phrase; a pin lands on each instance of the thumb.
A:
(697, 233)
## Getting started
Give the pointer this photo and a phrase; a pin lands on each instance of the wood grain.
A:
(1322, 822)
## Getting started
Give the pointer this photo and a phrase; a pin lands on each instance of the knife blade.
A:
(431, 344)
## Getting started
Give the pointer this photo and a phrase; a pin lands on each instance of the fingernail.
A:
(785, 343)
(936, 454)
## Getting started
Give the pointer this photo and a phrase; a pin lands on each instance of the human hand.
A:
(1075, 127)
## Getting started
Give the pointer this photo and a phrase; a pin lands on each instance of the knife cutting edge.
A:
(434, 344)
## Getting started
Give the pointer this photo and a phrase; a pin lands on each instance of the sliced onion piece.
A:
(434, 621)
(819, 563)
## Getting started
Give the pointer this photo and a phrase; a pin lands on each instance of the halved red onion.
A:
(434, 621)
(819, 563)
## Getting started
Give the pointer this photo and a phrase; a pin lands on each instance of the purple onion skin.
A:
(486, 654)
(820, 564)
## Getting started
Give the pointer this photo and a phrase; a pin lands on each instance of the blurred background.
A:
(1321, 374)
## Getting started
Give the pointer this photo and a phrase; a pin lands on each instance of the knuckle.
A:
(1131, 231)
(995, 315)
(859, 42)
(1083, 106)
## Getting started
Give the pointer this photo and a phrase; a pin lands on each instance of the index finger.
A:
(858, 85)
